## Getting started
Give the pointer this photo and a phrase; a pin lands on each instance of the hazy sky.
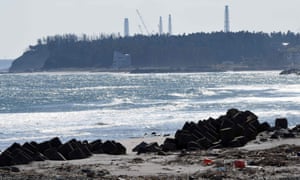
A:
(24, 21)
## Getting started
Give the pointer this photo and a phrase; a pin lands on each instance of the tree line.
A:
(192, 50)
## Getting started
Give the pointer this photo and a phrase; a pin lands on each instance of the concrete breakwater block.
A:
(54, 149)
(234, 129)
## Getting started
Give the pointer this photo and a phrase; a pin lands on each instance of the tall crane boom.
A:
(141, 18)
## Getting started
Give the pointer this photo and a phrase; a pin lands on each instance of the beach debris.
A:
(207, 161)
(239, 164)
(54, 149)
(10, 169)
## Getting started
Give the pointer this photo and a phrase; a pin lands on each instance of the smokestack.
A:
(160, 26)
(170, 25)
(126, 27)
(226, 20)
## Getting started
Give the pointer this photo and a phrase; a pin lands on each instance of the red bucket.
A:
(207, 161)
(239, 164)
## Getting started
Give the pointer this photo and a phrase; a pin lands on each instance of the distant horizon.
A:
(23, 22)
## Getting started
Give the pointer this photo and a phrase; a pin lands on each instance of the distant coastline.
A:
(199, 52)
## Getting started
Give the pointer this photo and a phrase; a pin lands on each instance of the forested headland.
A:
(199, 51)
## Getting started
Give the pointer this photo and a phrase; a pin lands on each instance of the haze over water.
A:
(39, 106)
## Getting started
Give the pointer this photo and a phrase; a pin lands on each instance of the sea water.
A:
(39, 106)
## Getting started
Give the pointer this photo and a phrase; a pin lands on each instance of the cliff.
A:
(31, 61)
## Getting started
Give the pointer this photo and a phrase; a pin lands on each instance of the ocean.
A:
(81, 105)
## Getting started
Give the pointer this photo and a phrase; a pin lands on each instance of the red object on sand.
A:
(207, 161)
(239, 164)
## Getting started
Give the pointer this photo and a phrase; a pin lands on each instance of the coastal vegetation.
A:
(200, 51)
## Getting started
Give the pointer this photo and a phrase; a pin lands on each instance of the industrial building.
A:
(126, 27)
(226, 20)
(121, 60)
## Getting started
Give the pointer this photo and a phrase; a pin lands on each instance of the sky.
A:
(22, 22)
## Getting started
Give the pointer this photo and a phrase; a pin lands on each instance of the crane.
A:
(143, 23)
(140, 28)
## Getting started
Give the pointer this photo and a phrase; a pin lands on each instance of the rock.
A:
(96, 146)
(55, 142)
(289, 135)
(149, 148)
(153, 147)
(120, 148)
(227, 135)
(111, 147)
(290, 71)
(84, 148)
(64, 149)
(10, 169)
(20, 157)
(30, 147)
(55, 150)
(234, 129)
(89, 173)
(263, 127)
(161, 153)
(6, 159)
(296, 128)
(14, 147)
(193, 145)
(169, 145)
(139, 146)
(182, 137)
(232, 113)
(281, 123)
(39, 157)
(44, 146)
(53, 154)
(238, 141)
(77, 154)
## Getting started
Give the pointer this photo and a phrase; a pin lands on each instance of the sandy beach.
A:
(275, 159)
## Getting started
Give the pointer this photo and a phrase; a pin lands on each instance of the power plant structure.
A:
(126, 27)
(226, 20)
(170, 25)
(160, 26)
(144, 27)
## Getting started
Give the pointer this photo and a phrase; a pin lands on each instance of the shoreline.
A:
(172, 165)
(145, 70)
